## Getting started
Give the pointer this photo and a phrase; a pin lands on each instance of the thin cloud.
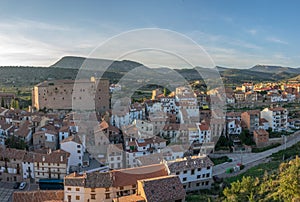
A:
(277, 40)
(252, 31)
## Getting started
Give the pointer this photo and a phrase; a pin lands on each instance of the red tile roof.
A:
(131, 175)
(38, 196)
(166, 188)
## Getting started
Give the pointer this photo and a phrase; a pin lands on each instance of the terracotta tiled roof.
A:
(73, 138)
(113, 129)
(130, 198)
(57, 156)
(203, 126)
(23, 130)
(151, 140)
(252, 112)
(97, 179)
(116, 178)
(28, 157)
(75, 179)
(167, 188)
(64, 129)
(261, 132)
(171, 127)
(277, 109)
(4, 125)
(12, 153)
(151, 159)
(38, 196)
(233, 114)
(90, 180)
(130, 176)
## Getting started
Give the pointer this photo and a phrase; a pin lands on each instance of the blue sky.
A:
(234, 33)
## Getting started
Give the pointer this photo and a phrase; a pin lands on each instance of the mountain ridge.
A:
(68, 67)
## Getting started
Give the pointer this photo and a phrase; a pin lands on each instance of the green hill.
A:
(69, 66)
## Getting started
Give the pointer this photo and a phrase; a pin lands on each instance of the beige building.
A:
(162, 189)
(69, 94)
(97, 186)
(52, 165)
(11, 165)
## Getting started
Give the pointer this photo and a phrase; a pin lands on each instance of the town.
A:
(74, 144)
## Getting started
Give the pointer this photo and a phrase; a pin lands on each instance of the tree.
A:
(289, 180)
(2, 102)
(281, 186)
(17, 104)
(165, 92)
(14, 104)
(243, 190)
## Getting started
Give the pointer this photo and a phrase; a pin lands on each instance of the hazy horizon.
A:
(235, 34)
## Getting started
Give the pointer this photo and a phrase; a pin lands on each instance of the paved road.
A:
(248, 158)
(6, 190)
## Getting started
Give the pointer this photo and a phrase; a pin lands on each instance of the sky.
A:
(234, 33)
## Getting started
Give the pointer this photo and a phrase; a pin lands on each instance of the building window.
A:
(69, 189)
(192, 172)
(93, 196)
(206, 183)
(77, 189)
(77, 198)
(78, 151)
(92, 189)
(133, 186)
(177, 173)
(208, 167)
(185, 172)
(107, 196)
(121, 188)
(184, 179)
(207, 174)
(198, 184)
(107, 189)
(78, 146)
(198, 176)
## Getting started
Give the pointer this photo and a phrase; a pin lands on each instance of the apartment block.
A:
(277, 118)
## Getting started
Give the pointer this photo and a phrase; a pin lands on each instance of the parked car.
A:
(22, 185)
(16, 185)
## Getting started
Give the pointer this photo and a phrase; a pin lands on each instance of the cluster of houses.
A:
(266, 92)
(132, 151)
